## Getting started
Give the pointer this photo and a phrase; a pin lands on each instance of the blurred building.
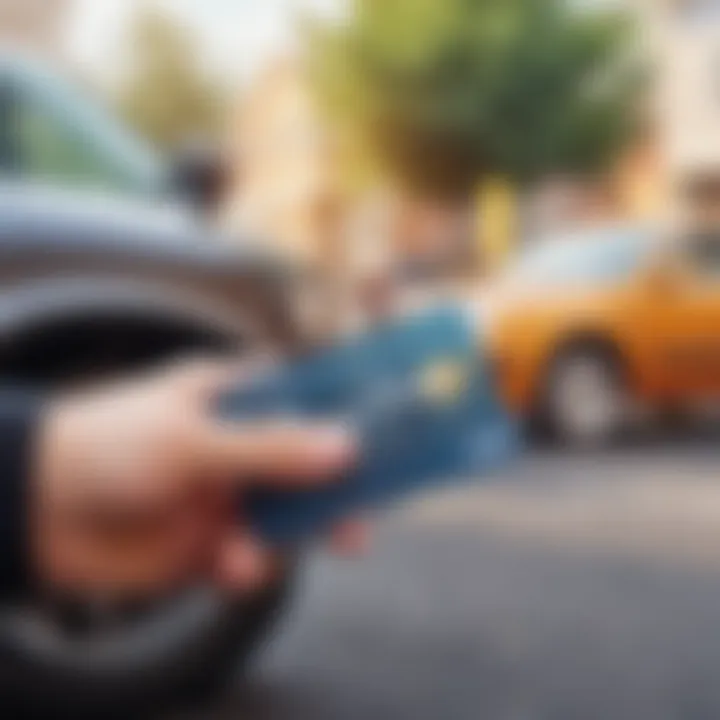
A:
(681, 140)
(683, 41)
(285, 185)
(33, 24)
(288, 187)
(687, 36)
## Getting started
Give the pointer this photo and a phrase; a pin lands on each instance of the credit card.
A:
(418, 397)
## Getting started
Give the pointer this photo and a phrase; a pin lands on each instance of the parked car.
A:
(586, 329)
(103, 270)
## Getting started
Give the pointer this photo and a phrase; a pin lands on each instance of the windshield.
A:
(609, 255)
(62, 135)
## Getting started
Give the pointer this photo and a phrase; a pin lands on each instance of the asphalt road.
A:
(575, 588)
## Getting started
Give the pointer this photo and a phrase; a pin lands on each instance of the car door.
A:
(685, 320)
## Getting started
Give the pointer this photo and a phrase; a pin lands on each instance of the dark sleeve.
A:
(19, 412)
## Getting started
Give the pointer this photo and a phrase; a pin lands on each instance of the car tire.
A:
(66, 657)
(32, 688)
(583, 402)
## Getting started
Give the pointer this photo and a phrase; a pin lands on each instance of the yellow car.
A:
(585, 329)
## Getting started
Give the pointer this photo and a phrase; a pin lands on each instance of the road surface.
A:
(575, 588)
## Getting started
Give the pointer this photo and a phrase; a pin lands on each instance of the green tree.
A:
(166, 94)
(444, 92)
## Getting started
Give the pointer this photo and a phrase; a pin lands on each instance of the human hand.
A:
(136, 485)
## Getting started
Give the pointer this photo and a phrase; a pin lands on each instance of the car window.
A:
(63, 138)
(606, 256)
(52, 150)
(9, 158)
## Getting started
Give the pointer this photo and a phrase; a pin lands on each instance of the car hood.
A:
(40, 222)
(38, 207)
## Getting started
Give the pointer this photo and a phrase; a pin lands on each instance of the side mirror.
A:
(200, 177)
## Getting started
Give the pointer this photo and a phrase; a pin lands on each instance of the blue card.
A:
(420, 400)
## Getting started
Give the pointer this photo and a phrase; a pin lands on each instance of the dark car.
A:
(102, 271)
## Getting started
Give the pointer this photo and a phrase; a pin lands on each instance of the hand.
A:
(136, 487)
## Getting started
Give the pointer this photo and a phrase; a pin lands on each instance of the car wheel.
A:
(584, 401)
(73, 657)
(93, 667)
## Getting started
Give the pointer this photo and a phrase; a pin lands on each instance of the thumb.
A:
(279, 452)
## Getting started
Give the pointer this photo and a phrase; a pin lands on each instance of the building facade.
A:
(687, 36)
(683, 41)
(290, 187)
(285, 185)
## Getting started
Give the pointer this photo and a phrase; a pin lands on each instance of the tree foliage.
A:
(445, 91)
(166, 94)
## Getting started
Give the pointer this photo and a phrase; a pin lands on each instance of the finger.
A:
(351, 537)
(204, 379)
(200, 379)
(243, 564)
(287, 452)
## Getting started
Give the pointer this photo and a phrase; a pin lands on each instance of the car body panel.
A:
(664, 333)
(62, 244)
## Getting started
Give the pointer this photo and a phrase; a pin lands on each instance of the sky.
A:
(237, 36)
